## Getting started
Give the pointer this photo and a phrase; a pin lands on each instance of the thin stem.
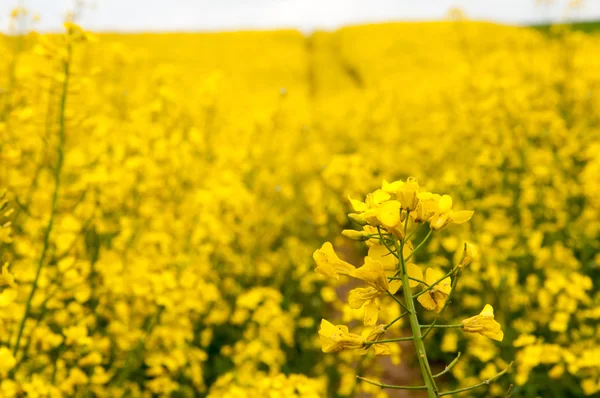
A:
(388, 340)
(432, 390)
(382, 385)
(449, 366)
(57, 173)
(509, 392)
(405, 226)
(384, 243)
(448, 299)
(411, 233)
(430, 327)
(397, 300)
(411, 254)
(443, 326)
(419, 246)
(387, 326)
(418, 280)
(429, 287)
(483, 383)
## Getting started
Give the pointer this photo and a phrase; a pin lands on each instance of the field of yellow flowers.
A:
(162, 196)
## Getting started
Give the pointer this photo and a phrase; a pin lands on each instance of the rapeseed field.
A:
(381, 210)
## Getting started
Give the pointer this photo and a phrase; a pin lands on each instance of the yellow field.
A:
(165, 194)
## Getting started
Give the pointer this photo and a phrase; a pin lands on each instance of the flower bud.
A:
(355, 235)
(468, 253)
(358, 218)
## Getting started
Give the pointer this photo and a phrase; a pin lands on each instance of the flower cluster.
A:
(390, 217)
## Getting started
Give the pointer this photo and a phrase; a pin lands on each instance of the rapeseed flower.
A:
(484, 324)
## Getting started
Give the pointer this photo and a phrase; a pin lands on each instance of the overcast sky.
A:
(307, 15)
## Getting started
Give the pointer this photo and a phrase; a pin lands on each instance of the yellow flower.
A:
(377, 210)
(372, 273)
(445, 215)
(329, 264)
(336, 338)
(388, 213)
(407, 195)
(435, 298)
(392, 187)
(7, 361)
(484, 324)
(406, 192)
(7, 297)
(427, 206)
(372, 200)
(6, 278)
(375, 333)
(414, 271)
(367, 297)
(381, 253)
(359, 296)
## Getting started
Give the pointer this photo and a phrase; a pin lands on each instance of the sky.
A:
(306, 15)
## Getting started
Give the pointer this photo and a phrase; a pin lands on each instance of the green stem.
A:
(418, 280)
(434, 284)
(411, 254)
(388, 340)
(449, 366)
(448, 299)
(432, 391)
(382, 385)
(483, 383)
(385, 244)
(443, 326)
(397, 301)
(387, 326)
(57, 172)
(419, 246)
(411, 233)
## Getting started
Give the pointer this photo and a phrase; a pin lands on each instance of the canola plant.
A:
(163, 196)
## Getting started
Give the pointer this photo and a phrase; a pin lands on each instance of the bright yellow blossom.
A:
(435, 298)
(7, 361)
(329, 264)
(372, 273)
(336, 338)
(375, 333)
(6, 278)
(445, 215)
(484, 324)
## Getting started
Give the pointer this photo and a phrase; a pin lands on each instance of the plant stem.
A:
(449, 366)
(382, 385)
(448, 299)
(387, 326)
(418, 280)
(397, 301)
(420, 245)
(57, 173)
(483, 383)
(411, 254)
(434, 284)
(443, 326)
(416, 328)
(388, 340)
